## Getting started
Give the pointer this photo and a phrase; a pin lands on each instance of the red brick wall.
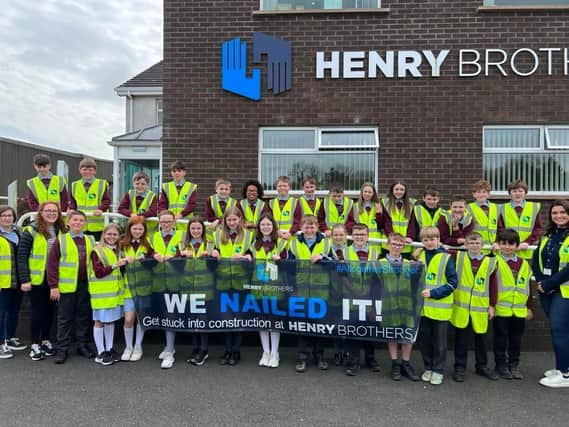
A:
(430, 128)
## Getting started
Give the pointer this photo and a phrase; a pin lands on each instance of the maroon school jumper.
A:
(296, 224)
(451, 239)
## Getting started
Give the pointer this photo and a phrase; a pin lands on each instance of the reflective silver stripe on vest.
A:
(107, 295)
(436, 304)
(5, 258)
(470, 307)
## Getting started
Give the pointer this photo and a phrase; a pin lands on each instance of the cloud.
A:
(62, 60)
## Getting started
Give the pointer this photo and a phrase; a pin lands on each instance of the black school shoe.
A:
(338, 359)
(300, 366)
(372, 365)
(408, 371)
(516, 373)
(224, 360)
(60, 357)
(395, 370)
(85, 351)
(487, 373)
(458, 375)
(200, 358)
(234, 358)
(503, 372)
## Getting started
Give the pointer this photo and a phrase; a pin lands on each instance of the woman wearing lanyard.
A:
(550, 265)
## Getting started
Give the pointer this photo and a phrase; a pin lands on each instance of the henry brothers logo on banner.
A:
(234, 77)
(373, 301)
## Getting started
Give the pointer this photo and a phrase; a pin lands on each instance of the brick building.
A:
(430, 92)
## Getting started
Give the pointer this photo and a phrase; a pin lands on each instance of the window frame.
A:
(159, 110)
(491, 3)
(374, 150)
(262, 9)
(543, 149)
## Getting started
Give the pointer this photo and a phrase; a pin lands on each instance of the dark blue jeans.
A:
(10, 301)
(557, 310)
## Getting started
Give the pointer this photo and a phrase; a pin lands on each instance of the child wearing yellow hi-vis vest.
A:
(398, 216)
(550, 265)
(440, 283)
(252, 204)
(473, 307)
(283, 207)
(337, 209)
(427, 212)
(513, 306)
(231, 245)
(68, 282)
(166, 243)
(135, 247)
(485, 213)
(521, 215)
(178, 196)
(106, 289)
(140, 201)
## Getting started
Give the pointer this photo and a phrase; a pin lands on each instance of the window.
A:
(159, 111)
(539, 155)
(526, 2)
(319, 4)
(346, 155)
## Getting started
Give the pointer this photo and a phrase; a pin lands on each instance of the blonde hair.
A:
(117, 227)
(225, 231)
(429, 232)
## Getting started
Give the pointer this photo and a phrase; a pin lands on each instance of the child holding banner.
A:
(398, 301)
(165, 244)
(135, 247)
(440, 283)
(231, 243)
(198, 278)
(266, 250)
(309, 248)
(106, 289)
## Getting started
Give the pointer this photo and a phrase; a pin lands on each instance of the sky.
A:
(62, 59)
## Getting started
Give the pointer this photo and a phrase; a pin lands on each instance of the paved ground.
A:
(83, 393)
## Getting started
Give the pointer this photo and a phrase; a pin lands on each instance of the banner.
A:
(372, 300)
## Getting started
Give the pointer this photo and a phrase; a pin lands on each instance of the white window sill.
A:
(380, 10)
(506, 9)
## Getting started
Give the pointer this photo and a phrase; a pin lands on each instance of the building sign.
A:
(373, 64)
(234, 77)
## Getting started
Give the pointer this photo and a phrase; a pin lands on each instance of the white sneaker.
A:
(274, 360)
(555, 381)
(427, 376)
(136, 355)
(163, 353)
(551, 372)
(265, 359)
(14, 344)
(168, 360)
(5, 352)
(436, 378)
(126, 354)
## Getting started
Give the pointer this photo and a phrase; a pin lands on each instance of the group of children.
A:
(60, 261)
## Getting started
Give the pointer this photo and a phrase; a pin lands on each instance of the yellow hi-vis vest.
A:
(252, 216)
(472, 295)
(424, 218)
(157, 242)
(141, 251)
(312, 280)
(89, 201)
(51, 193)
(37, 261)
(486, 225)
(178, 201)
(69, 261)
(260, 274)
(5, 263)
(523, 224)
(396, 294)
(106, 292)
(216, 206)
(332, 216)
(513, 293)
(198, 277)
(435, 276)
(285, 217)
(362, 216)
(232, 274)
(466, 220)
(306, 209)
(563, 262)
(360, 280)
(398, 220)
(144, 205)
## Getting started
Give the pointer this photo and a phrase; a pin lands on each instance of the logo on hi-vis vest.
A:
(286, 213)
(91, 196)
(480, 281)
(341, 217)
(521, 280)
(173, 249)
(566, 250)
(493, 221)
(238, 249)
(525, 218)
(184, 197)
(431, 276)
(234, 77)
(52, 192)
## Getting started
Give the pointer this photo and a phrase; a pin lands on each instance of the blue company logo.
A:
(234, 77)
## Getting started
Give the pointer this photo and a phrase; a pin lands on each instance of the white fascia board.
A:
(134, 91)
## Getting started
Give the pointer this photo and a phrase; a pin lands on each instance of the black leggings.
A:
(42, 313)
